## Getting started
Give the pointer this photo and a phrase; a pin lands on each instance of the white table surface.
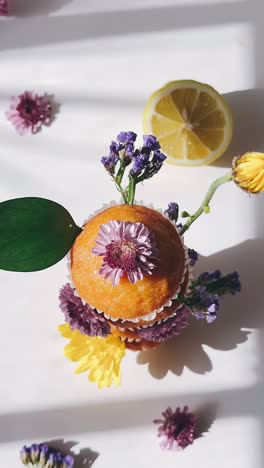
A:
(102, 60)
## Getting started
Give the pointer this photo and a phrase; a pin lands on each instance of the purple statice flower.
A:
(129, 151)
(172, 211)
(43, 456)
(158, 160)
(207, 277)
(28, 112)
(3, 8)
(127, 249)
(204, 304)
(220, 284)
(177, 429)
(166, 329)
(81, 316)
(146, 162)
(110, 162)
(140, 163)
(150, 142)
(193, 257)
(115, 147)
(126, 137)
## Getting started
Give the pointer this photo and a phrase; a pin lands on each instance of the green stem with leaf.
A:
(204, 207)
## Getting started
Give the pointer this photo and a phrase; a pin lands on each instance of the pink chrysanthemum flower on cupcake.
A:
(178, 428)
(127, 249)
(3, 8)
(28, 112)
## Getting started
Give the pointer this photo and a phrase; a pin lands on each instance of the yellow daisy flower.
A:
(248, 172)
(101, 356)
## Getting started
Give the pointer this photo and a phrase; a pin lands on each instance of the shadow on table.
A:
(239, 312)
(247, 109)
(35, 7)
(85, 458)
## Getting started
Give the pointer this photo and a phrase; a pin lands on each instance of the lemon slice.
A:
(192, 121)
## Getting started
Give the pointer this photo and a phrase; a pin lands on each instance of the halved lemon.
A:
(192, 121)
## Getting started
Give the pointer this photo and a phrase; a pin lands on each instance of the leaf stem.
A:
(204, 207)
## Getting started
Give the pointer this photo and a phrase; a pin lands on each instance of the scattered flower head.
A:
(81, 316)
(100, 356)
(144, 162)
(172, 211)
(127, 249)
(177, 429)
(3, 8)
(42, 456)
(28, 112)
(248, 172)
(193, 256)
(161, 332)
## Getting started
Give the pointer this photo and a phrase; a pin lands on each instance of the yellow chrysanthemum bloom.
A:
(100, 356)
(248, 172)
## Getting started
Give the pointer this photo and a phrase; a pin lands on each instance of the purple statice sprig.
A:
(43, 456)
(143, 162)
(205, 292)
(177, 429)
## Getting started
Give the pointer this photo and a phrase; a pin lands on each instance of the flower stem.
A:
(121, 190)
(120, 173)
(204, 207)
(131, 190)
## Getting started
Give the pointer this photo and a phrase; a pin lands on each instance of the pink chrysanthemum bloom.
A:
(177, 429)
(3, 8)
(28, 112)
(126, 248)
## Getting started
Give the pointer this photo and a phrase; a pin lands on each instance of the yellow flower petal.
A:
(101, 356)
(248, 172)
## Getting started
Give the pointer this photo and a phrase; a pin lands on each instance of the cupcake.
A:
(129, 265)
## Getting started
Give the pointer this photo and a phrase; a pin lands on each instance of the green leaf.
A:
(206, 209)
(35, 233)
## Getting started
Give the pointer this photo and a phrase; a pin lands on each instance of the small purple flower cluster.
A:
(144, 162)
(43, 456)
(172, 211)
(205, 292)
